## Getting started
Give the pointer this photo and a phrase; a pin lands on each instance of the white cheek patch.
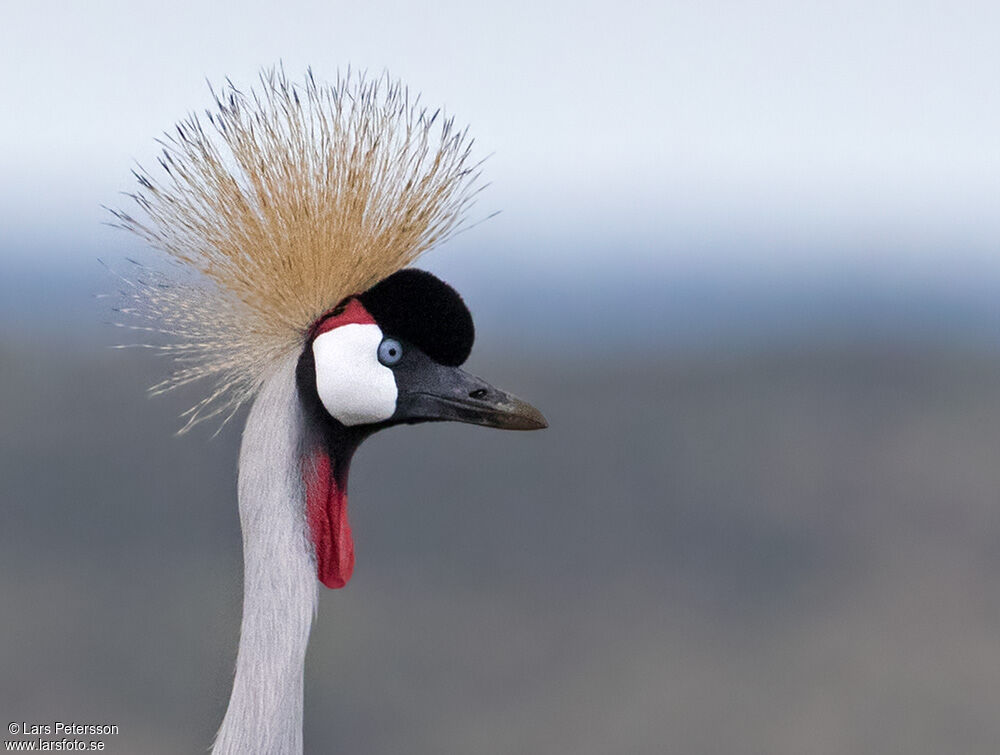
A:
(355, 388)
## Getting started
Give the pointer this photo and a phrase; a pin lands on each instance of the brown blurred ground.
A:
(774, 552)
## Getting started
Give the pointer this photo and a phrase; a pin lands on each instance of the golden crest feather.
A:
(289, 198)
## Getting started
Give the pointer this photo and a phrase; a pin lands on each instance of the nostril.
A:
(478, 393)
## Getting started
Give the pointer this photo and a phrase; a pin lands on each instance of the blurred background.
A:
(748, 264)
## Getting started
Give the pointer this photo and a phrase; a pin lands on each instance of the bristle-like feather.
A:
(294, 196)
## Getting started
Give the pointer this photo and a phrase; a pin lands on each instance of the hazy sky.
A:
(772, 132)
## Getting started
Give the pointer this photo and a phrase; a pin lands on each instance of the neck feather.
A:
(279, 581)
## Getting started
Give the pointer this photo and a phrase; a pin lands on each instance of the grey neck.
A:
(279, 580)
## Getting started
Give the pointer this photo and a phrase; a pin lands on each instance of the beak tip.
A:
(531, 418)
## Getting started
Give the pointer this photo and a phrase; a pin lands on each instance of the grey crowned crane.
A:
(291, 213)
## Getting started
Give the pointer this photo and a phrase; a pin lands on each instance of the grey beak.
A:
(451, 394)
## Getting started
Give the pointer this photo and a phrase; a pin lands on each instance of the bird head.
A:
(385, 357)
(292, 198)
(392, 355)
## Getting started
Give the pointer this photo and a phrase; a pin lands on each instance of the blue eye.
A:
(390, 351)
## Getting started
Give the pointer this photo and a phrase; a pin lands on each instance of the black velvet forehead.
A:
(420, 308)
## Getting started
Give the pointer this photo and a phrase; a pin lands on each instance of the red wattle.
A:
(326, 514)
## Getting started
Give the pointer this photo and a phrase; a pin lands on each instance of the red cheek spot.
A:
(353, 312)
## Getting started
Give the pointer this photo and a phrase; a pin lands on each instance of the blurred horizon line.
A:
(687, 307)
